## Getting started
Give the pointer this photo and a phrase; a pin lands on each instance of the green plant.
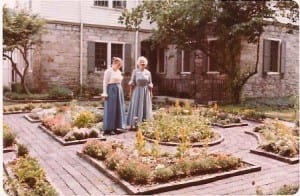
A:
(184, 144)
(5, 89)
(140, 142)
(45, 189)
(61, 129)
(142, 173)
(163, 174)
(17, 88)
(127, 170)
(59, 92)
(28, 171)
(96, 149)
(29, 106)
(288, 190)
(8, 136)
(22, 150)
(84, 119)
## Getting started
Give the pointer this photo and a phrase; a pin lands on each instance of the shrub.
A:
(287, 190)
(59, 92)
(8, 136)
(61, 129)
(96, 149)
(22, 150)
(17, 88)
(127, 170)
(5, 89)
(45, 189)
(93, 133)
(163, 174)
(84, 119)
(142, 173)
(28, 170)
(29, 106)
(112, 160)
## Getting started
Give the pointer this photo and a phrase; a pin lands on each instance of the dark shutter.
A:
(128, 60)
(179, 61)
(91, 57)
(283, 58)
(192, 61)
(266, 56)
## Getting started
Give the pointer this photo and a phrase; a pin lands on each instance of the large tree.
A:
(21, 33)
(189, 23)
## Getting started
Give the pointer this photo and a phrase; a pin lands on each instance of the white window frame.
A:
(165, 60)
(279, 56)
(109, 6)
(208, 57)
(182, 65)
(108, 57)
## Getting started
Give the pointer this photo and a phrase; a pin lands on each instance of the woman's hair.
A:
(117, 60)
(142, 58)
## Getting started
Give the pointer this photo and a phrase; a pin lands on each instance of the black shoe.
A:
(119, 131)
(109, 133)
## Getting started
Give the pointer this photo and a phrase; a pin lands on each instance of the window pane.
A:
(119, 4)
(100, 56)
(117, 51)
(103, 3)
(186, 62)
(274, 56)
(213, 62)
(161, 58)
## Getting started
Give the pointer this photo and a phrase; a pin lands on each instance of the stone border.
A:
(262, 152)
(9, 149)
(100, 108)
(16, 112)
(197, 180)
(37, 100)
(253, 120)
(230, 125)
(31, 119)
(67, 143)
(196, 144)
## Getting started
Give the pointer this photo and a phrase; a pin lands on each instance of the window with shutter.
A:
(283, 57)
(119, 4)
(273, 56)
(179, 61)
(186, 61)
(100, 56)
(212, 59)
(102, 3)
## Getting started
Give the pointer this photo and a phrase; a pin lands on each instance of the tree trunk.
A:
(24, 85)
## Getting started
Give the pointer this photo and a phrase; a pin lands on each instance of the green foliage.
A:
(22, 150)
(127, 170)
(59, 92)
(21, 32)
(96, 149)
(288, 190)
(17, 88)
(6, 89)
(163, 174)
(8, 136)
(23, 96)
(84, 119)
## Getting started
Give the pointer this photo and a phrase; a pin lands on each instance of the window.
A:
(103, 3)
(161, 60)
(100, 54)
(212, 59)
(273, 56)
(119, 4)
(117, 51)
(184, 61)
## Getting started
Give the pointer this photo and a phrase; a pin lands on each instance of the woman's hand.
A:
(104, 98)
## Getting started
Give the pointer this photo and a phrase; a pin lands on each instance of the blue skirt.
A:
(114, 108)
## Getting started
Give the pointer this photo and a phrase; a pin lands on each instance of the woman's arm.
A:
(131, 83)
(105, 82)
(150, 85)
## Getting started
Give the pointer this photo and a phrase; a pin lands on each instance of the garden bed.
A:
(26, 177)
(179, 183)
(9, 139)
(218, 139)
(32, 120)
(260, 151)
(66, 143)
(17, 112)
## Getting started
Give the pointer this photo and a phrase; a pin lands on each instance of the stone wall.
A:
(273, 85)
(57, 61)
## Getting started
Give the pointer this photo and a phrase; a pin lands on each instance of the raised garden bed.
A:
(26, 177)
(32, 120)
(17, 112)
(9, 139)
(66, 143)
(260, 151)
(141, 174)
(277, 141)
(219, 138)
(252, 115)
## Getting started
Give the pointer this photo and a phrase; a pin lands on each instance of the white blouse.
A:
(111, 77)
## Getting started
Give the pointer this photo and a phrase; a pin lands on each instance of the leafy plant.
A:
(84, 119)
(163, 174)
(140, 142)
(127, 170)
(59, 92)
(8, 136)
(96, 149)
(22, 150)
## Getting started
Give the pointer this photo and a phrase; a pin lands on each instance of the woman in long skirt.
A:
(140, 107)
(114, 107)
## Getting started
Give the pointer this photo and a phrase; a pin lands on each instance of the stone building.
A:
(82, 36)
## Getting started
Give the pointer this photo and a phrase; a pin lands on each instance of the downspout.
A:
(136, 46)
(81, 44)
